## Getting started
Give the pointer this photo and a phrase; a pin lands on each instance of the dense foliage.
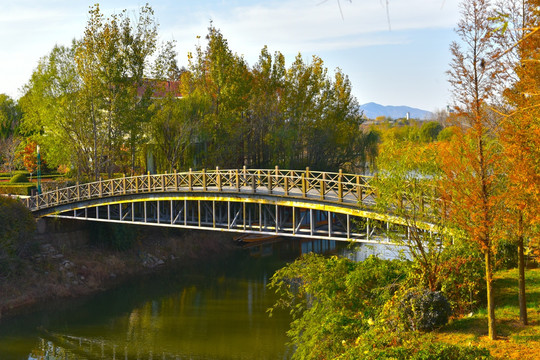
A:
(344, 310)
(119, 111)
(17, 226)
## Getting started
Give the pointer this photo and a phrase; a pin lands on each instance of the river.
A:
(212, 309)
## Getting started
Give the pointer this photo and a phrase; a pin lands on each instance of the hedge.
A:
(17, 189)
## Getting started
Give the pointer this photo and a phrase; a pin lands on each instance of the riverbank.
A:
(67, 265)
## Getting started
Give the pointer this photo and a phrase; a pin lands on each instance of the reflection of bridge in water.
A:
(62, 347)
(308, 204)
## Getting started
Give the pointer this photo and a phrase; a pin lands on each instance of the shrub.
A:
(17, 189)
(18, 178)
(463, 282)
(424, 310)
(17, 227)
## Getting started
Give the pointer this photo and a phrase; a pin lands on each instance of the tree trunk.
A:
(521, 276)
(490, 296)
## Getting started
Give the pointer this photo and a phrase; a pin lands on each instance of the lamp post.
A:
(38, 170)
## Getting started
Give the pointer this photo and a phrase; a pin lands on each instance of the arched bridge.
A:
(308, 204)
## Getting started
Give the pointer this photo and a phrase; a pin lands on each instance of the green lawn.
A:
(515, 340)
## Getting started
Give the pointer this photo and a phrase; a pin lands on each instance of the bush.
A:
(24, 189)
(17, 228)
(18, 178)
(463, 282)
(424, 310)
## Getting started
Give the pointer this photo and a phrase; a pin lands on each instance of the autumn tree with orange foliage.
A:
(520, 130)
(472, 185)
(29, 155)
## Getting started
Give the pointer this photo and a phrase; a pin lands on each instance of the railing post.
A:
(163, 182)
(253, 183)
(218, 179)
(190, 180)
(277, 175)
(175, 180)
(78, 192)
(124, 185)
(57, 196)
(303, 185)
(286, 185)
(100, 187)
(322, 187)
(149, 182)
(340, 186)
(137, 184)
(269, 182)
(358, 188)
(237, 180)
(244, 177)
(204, 179)
(259, 177)
(89, 189)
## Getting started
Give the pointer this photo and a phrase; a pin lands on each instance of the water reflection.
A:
(214, 309)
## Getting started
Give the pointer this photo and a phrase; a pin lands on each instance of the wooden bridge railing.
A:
(325, 186)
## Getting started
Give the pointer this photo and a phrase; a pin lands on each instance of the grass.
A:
(515, 341)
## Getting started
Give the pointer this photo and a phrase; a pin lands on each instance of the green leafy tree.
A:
(224, 78)
(429, 131)
(10, 116)
(406, 181)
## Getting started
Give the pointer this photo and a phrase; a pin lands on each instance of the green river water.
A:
(212, 309)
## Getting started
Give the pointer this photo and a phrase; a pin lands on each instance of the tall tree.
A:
(224, 78)
(10, 116)
(406, 180)
(521, 127)
(472, 183)
(54, 112)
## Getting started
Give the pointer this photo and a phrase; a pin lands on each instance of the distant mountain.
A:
(372, 110)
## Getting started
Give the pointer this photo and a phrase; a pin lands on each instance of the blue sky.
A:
(404, 65)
